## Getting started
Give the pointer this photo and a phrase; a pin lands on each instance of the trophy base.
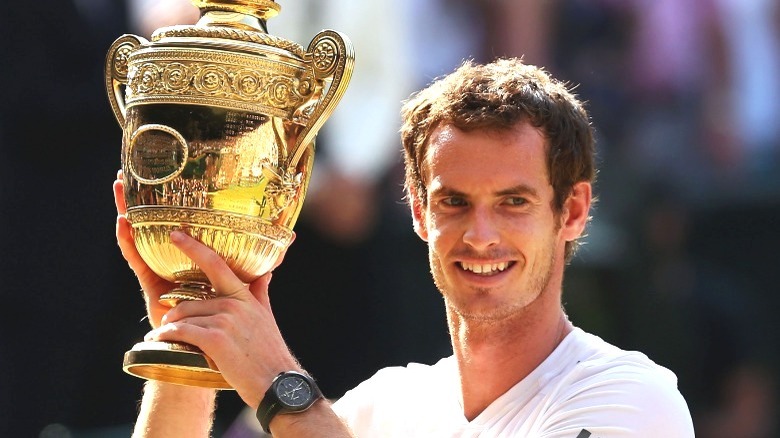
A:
(172, 362)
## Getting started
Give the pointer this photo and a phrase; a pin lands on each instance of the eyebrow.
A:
(520, 189)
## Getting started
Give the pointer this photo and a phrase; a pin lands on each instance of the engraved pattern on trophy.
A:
(120, 60)
(332, 58)
(117, 64)
(228, 80)
(230, 34)
(325, 55)
(218, 121)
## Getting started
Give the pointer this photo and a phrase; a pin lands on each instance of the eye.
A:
(515, 201)
(454, 201)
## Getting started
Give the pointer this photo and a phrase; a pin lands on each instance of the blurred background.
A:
(678, 263)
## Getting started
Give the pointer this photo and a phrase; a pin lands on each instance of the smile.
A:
(485, 268)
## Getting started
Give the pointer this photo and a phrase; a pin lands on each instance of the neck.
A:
(494, 356)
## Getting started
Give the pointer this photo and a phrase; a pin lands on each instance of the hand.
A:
(236, 329)
(152, 285)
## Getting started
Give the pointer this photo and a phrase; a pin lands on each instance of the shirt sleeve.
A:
(623, 401)
(356, 407)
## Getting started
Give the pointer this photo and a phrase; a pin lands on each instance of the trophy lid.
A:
(240, 14)
(242, 21)
(260, 9)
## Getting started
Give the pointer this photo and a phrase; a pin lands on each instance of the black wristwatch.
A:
(290, 392)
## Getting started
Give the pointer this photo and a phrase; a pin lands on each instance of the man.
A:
(499, 167)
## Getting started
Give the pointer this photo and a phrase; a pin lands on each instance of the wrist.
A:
(290, 392)
(312, 416)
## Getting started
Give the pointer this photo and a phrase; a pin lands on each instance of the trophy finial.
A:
(236, 13)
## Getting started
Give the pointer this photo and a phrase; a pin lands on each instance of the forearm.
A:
(318, 421)
(173, 410)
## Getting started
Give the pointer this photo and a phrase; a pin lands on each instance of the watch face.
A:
(294, 391)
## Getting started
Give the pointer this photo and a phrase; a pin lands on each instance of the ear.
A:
(418, 215)
(576, 211)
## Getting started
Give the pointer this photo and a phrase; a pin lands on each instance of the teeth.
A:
(484, 268)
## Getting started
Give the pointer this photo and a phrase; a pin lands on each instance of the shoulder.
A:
(612, 392)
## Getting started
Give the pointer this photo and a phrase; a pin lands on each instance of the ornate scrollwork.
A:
(249, 84)
(209, 79)
(229, 34)
(282, 190)
(325, 56)
(176, 77)
(121, 56)
(241, 82)
(147, 78)
(149, 215)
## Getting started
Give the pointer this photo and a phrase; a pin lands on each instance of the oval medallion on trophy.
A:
(157, 154)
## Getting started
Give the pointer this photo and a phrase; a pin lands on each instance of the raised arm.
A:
(166, 409)
(169, 410)
(236, 329)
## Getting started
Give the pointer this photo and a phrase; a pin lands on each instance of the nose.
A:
(481, 230)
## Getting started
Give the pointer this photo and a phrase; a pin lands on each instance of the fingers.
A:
(222, 278)
(119, 194)
(123, 234)
(191, 330)
(152, 285)
(259, 288)
(124, 238)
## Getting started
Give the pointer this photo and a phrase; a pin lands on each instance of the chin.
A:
(483, 309)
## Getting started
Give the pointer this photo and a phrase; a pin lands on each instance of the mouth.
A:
(485, 269)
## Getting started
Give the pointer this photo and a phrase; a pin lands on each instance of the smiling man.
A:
(499, 167)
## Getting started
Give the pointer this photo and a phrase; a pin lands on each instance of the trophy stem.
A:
(176, 362)
(188, 291)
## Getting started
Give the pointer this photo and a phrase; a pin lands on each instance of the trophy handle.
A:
(332, 59)
(116, 72)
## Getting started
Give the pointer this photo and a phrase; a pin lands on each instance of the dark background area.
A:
(679, 262)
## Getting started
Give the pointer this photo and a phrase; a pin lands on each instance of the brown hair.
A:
(497, 96)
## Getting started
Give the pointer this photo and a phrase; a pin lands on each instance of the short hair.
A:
(497, 96)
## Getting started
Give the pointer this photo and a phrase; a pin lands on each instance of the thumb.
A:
(222, 278)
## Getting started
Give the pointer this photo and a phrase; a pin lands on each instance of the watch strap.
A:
(269, 405)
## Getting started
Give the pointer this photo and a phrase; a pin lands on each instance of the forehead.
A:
(486, 158)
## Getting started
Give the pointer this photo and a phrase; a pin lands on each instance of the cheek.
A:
(440, 243)
(436, 247)
(529, 237)
(544, 245)
(434, 235)
(441, 236)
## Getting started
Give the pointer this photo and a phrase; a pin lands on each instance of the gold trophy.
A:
(218, 121)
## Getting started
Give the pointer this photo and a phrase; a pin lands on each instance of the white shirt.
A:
(586, 388)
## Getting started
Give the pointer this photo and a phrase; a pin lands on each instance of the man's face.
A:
(494, 241)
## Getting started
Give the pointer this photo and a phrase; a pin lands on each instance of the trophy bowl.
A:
(219, 121)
